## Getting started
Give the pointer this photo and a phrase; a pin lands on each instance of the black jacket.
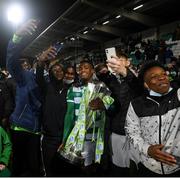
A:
(54, 104)
(11, 84)
(6, 105)
(123, 91)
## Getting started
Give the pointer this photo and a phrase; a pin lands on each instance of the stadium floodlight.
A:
(106, 22)
(118, 16)
(138, 7)
(85, 32)
(15, 13)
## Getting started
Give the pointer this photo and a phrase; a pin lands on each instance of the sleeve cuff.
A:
(145, 149)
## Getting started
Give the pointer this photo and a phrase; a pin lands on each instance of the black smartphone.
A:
(177, 159)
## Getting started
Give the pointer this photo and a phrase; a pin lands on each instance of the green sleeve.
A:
(69, 117)
(6, 147)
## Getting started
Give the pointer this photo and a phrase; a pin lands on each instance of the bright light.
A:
(105, 22)
(138, 7)
(85, 32)
(118, 16)
(72, 39)
(15, 13)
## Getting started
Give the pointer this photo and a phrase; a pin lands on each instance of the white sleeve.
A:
(178, 94)
(133, 131)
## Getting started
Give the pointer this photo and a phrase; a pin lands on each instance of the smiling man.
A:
(85, 119)
(153, 124)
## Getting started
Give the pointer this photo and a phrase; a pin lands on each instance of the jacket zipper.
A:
(22, 114)
(22, 111)
(160, 123)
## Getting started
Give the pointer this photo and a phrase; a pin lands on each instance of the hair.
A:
(86, 60)
(54, 63)
(146, 66)
(119, 54)
(100, 66)
(69, 66)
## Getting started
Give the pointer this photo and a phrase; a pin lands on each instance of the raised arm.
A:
(45, 56)
(16, 45)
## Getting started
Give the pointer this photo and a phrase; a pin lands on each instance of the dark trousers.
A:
(144, 172)
(119, 171)
(26, 154)
(53, 163)
(49, 149)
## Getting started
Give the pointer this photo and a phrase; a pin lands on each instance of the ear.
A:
(128, 63)
(146, 85)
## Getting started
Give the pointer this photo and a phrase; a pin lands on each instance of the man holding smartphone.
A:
(25, 120)
(124, 88)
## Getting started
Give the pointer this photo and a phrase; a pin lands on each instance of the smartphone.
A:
(177, 159)
(109, 53)
(58, 46)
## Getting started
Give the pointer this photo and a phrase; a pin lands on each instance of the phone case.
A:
(58, 47)
(110, 52)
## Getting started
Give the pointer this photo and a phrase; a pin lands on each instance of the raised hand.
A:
(96, 104)
(27, 28)
(50, 53)
(118, 65)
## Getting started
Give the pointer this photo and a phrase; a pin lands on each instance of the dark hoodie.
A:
(54, 103)
(123, 91)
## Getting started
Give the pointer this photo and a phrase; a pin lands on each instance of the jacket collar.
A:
(153, 93)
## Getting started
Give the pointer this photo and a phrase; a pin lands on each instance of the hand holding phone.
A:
(48, 54)
(110, 52)
(117, 66)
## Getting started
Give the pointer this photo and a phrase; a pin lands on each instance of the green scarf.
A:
(86, 118)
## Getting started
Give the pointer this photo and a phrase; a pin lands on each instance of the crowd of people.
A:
(60, 120)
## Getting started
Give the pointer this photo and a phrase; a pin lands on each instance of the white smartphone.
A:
(110, 52)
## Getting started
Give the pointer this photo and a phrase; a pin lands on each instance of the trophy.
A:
(72, 152)
(72, 156)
